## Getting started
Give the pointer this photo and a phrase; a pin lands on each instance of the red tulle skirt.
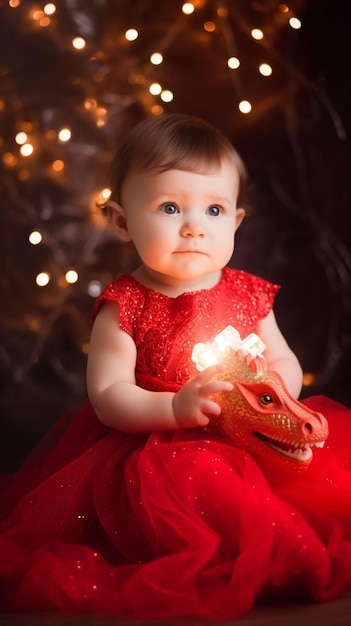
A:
(172, 524)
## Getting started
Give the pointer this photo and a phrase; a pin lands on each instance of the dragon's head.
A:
(261, 417)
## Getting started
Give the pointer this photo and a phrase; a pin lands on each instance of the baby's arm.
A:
(278, 355)
(121, 404)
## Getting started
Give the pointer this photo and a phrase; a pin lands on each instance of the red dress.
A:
(180, 523)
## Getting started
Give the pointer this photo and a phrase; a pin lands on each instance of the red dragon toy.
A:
(259, 415)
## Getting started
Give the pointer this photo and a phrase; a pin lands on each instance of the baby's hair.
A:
(177, 141)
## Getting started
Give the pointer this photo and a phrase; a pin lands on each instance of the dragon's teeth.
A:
(319, 444)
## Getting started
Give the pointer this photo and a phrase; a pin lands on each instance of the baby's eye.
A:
(213, 210)
(169, 208)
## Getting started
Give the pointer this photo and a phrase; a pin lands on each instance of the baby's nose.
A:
(193, 228)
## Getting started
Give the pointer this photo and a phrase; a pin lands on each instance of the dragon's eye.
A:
(266, 398)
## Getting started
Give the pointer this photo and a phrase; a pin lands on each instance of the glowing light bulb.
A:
(42, 279)
(14, 3)
(94, 288)
(131, 34)
(9, 159)
(245, 106)
(49, 8)
(233, 63)
(283, 8)
(188, 8)
(35, 237)
(64, 134)
(155, 89)
(27, 149)
(44, 21)
(71, 276)
(156, 58)
(105, 194)
(37, 15)
(167, 95)
(257, 33)
(295, 23)
(209, 27)
(265, 69)
(58, 165)
(226, 343)
(309, 379)
(79, 43)
(157, 110)
(21, 138)
(90, 104)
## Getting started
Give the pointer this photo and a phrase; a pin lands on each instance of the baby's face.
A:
(183, 222)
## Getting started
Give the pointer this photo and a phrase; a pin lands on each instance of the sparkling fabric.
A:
(166, 329)
(181, 523)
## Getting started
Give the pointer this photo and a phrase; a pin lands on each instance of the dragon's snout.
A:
(278, 430)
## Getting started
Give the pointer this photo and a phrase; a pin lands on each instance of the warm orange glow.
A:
(209, 27)
(58, 165)
(309, 379)
(9, 159)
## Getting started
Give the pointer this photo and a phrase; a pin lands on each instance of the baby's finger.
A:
(211, 408)
(217, 386)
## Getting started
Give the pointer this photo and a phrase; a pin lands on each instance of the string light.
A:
(43, 279)
(295, 23)
(156, 58)
(188, 8)
(64, 134)
(155, 89)
(105, 195)
(157, 110)
(167, 95)
(131, 34)
(245, 106)
(35, 237)
(9, 159)
(95, 288)
(27, 149)
(71, 276)
(37, 15)
(308, 379)
(233, 63)
(14, 3)
(257, 33)
(50, 8)
(21, 138)
(265, 69)
(90, 104)
(209, 27)
(58, 165)
(79, 43)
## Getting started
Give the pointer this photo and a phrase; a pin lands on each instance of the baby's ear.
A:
(240, 214)
(118, 220)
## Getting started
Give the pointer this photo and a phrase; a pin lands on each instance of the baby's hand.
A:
(192, 404)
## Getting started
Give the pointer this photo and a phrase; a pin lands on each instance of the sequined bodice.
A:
(166, 329)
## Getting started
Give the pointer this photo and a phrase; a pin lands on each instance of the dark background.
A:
(295, 143)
